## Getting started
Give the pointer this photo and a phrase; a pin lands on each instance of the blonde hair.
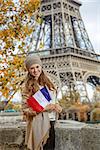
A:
(32, 85)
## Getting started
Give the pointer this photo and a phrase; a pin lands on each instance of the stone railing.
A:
(69, 135)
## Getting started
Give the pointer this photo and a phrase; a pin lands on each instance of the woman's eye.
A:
(32, 68)
(37, 66)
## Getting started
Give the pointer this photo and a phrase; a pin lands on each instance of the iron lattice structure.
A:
(63, 43)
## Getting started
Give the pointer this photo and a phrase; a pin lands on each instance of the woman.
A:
(38, 123)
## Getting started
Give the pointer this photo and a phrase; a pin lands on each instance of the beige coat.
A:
(37, 131)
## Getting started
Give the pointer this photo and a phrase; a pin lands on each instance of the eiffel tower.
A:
(63, 43)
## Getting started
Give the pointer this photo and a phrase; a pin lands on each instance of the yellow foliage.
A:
(14, 30)
(95, 114)
(17, 107)
(96, 105)
(41, 45)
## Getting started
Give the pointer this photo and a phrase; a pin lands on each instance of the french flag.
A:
(39, 100)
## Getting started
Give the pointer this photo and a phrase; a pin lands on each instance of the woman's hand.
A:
(49, 107)
(53, 107)
(58, 108)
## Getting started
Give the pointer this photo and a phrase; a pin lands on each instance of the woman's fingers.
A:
(58, 108)
(53, 107)
(50, 107)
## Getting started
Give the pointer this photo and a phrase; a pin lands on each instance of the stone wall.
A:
(69, 135)
(12, 131)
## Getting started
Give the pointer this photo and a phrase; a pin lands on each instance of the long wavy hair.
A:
(32, 85)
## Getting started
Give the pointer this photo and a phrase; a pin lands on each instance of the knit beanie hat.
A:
(32, 59)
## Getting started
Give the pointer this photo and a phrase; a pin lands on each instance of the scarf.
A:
(37, 131)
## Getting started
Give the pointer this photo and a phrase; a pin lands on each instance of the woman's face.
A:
(35, 70)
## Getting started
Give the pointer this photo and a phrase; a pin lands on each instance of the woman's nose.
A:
(35, 69)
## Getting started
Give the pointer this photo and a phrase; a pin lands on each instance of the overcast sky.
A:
(90, 12)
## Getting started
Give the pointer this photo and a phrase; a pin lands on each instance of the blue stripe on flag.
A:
(46, 93)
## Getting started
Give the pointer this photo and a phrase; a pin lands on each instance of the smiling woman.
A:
(37, 101)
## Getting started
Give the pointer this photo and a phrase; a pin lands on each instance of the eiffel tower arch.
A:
(63, 43)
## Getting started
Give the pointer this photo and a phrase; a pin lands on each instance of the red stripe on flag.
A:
(34, 104)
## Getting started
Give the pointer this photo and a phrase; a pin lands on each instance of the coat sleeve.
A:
(25, 108)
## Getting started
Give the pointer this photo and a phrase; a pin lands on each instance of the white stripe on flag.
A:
(41, 99)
